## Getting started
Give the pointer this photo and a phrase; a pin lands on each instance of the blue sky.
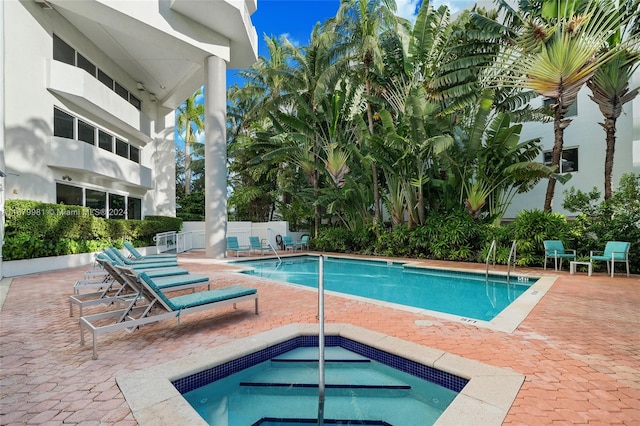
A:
(295, 19)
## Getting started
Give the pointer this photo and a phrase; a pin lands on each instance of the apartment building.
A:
(89, 93)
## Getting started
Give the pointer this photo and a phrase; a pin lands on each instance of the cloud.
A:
(292, 40)
(454, 5)
(407, 9)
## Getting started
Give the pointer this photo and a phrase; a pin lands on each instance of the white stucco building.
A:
(88, 98)
(584, 151)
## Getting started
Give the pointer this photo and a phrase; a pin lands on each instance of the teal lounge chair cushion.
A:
(616, 249)
(210, 296)
(179, 280)
(200, 298)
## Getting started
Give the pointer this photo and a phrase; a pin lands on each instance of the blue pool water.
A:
(283, 389)
(465, 294)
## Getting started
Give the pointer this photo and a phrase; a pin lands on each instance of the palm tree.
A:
(359, 25)
(610, 88)
(190, 123)
(555, 56)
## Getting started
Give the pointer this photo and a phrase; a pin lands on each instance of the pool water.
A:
(465, 294)
(284, 390)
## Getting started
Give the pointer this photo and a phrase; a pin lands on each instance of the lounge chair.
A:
(159, 307)
(135, 254)
(232, 245)
(554, 249)
(614, 251)
(256, 245)
(117, 287)
(115, 254)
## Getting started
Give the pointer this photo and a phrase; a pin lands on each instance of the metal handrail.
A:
(512, 255)
(271, 245)
(321, 341)
(492, 249)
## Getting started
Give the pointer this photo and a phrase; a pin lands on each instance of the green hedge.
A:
(36, 229)
(457, 237)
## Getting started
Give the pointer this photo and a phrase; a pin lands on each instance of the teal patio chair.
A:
(302, 244)
(256, 245)
(554, 249)
(288, 243)
(232, 245)
(614, 251)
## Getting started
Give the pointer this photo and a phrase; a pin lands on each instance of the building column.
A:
(215, 164)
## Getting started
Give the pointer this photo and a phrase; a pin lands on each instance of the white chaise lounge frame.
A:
(135, 315)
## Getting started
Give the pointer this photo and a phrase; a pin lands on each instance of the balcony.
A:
(77, 86)
(76, 155)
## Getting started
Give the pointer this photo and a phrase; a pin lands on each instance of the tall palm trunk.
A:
(187, 160)
(610, 129)
(559, 124)
(374, 167)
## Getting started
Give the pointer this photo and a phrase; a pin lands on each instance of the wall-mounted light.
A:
(2, 174)
(140, 86)
(66, 177)
(152, 96)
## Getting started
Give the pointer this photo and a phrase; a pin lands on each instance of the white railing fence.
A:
(165, 241)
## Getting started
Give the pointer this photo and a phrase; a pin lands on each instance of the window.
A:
(97, 202)
(120, 207)
(68, 195)
(134, 154)
(86, 132)
(117, 207)
(134, 101)
(105, 140)
(571, 112)
(63, 124)
(86, 65)
(122, 148)
(569, 161)
(134, 208)
(105, 79)
(63, 52)
(121, 91)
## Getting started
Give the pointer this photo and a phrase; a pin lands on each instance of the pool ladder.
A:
(512, 259)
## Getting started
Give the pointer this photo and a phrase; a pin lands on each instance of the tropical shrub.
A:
(36, 229)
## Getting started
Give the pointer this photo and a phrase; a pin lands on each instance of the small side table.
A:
(573, 264)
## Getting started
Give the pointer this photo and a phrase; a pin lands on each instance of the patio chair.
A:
(302, 244)
(116, 254)
(288, 243)
(152, 305)
(554, 249)
(232, 245)
(614, 251)
(256, 245)
(117, 287)
(136, 255)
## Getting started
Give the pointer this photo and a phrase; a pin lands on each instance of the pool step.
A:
(344, 370)
(310, 354)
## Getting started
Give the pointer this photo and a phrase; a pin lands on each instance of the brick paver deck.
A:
(579, 348)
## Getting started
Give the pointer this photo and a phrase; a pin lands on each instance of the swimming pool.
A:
(377, 389)
(464, 294)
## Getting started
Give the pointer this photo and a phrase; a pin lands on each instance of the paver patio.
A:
(579, 348)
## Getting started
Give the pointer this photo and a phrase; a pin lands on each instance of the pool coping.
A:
(506, 321)
(485, 400)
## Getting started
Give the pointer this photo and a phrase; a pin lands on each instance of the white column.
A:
(215, 165)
